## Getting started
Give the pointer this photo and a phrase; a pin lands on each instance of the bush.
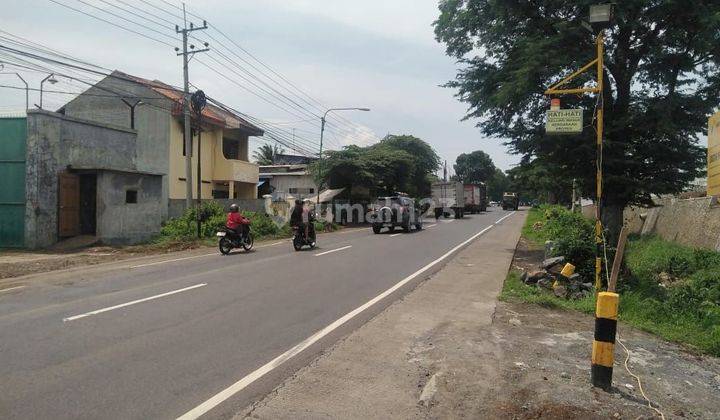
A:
(213, 218)
(572, 233)
(688, 309)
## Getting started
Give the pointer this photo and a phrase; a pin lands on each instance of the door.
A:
(69, 205)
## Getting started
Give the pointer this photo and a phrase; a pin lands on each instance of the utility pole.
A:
(607, 302)
(574, 197)
(198, 101)
(187, 137)
(322, 133)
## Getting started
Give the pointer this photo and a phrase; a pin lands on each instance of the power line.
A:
(112, 23)
(349, 126)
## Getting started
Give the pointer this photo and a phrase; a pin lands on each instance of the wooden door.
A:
(69, 205)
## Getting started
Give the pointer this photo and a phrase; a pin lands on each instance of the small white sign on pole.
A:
(564, 121)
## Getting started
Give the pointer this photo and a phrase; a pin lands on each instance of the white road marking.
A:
(333, 250)
(273, 244)
(429, 226)
(173, 260)
(238, 386)
(11, 288)
(448, 221)
(122, 305)
(395, 234)
(504, 217)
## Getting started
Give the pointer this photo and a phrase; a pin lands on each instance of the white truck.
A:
(449, 198)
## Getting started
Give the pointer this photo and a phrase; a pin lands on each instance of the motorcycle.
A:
(299, 238)
(229, 240)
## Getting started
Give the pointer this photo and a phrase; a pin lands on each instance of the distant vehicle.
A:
(475, 198)
(493, 203)
(510, 201)
(395, 211)
(449, 197)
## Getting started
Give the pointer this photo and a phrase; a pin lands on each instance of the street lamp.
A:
(50, 79)
(322, 132)
(27, 88)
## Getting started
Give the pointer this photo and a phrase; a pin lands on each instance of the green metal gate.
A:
(13, 134)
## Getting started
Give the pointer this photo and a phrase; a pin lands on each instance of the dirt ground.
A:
(448, 349)
(20, 263)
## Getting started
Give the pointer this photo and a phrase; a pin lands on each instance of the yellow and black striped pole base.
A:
(603, 349)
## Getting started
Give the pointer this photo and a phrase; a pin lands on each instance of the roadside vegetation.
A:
(213, 216)
(666, 289)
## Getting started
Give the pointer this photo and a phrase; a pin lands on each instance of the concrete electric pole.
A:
(187, 136)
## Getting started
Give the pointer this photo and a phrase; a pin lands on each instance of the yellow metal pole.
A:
(598, 202)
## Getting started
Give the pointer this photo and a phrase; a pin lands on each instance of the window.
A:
(131, 196)
(312, 190)
(292, 190)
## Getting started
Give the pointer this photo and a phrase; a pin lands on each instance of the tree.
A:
(426, 161)
(267, 154)
(396, 164)
(497, 184)
(662, 73)
(473, 168)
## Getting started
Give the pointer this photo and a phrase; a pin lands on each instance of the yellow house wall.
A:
(211, 144)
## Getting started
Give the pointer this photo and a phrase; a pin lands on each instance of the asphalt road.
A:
(203, 334)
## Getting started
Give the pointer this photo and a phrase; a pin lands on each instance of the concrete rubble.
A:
(548, 276)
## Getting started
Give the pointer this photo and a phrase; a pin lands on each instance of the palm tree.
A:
(267, 154)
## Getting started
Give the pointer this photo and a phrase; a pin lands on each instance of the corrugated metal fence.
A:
(13, 133)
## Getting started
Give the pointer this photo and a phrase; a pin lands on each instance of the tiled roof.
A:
(211, 114)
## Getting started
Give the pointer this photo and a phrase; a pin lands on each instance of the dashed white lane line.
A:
(238, 386)
(430, 226)
(134, 302)
(333, 250)
(447, 221)
(395, 234)
(196, 256)
(273, 244)
(11, 288)
(173, 260)
(504, 217)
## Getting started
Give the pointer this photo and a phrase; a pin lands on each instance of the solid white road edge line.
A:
(238, 386)
(429, 226)
(122, 305)
(173, 260)
(11, 288)
(504, 217)
(333, 250)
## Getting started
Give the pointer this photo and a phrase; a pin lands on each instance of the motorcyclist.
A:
(237, 222)
(298, 217)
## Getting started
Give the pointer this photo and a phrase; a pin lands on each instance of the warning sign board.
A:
(713, 163)
(564, 121)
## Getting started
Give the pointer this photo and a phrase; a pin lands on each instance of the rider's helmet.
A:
(234, 208)
(298, 202)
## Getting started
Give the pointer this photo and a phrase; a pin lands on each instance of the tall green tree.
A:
(497, 184)
(267, 154)
(395, 164)
(473, 168)
(426, 161)
(662, 71)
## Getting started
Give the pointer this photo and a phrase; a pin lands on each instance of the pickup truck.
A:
(395, 211)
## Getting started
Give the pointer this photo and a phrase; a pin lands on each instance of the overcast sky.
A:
(379, 54)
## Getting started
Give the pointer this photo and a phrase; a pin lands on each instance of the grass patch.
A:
(533, 236)
(668, 289)
(514, 290)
